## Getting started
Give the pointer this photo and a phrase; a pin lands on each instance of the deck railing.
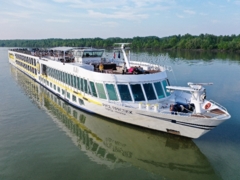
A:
(215, 103)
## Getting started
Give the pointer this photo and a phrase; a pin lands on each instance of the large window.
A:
(137, 92)
(68, 95)
(78, 83)
(81, 85)
(86, 90)
(71, 83)
(124, 92)
(58, 77)
(101, 91)
(62, 79)
(68, 82)
(92, 54)
(165, 83)
(94, 92)
(74, 98)
(149, 91)
(65, 78)
(111, 92)
(74, 82)
(159, 90)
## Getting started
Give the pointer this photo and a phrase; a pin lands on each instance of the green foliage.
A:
(187, 41)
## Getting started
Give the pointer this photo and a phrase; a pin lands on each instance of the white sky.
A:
(67, 19)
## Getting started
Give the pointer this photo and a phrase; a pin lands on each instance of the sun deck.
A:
(110, 66)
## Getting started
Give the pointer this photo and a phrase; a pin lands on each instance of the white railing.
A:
(215, 103)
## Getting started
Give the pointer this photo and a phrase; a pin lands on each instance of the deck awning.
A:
(62, 48)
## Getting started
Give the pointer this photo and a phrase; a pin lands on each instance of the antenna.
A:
(201, 84)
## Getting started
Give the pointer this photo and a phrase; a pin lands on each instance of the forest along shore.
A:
(181, 42)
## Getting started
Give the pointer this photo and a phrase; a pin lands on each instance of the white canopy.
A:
(64, 48)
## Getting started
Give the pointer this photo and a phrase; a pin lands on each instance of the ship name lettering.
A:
(117, 109)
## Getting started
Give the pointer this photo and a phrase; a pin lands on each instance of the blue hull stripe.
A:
(198, 126)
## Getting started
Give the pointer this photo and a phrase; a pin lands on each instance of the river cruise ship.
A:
(120, 89)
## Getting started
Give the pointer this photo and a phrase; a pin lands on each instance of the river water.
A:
(42, 137)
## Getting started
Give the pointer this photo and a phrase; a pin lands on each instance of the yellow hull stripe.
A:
(11, 56)
(26, 63)
(27, 72)
(66, 88)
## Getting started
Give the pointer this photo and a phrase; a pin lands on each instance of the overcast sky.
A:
(41, 19)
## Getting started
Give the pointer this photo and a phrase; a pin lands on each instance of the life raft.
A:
(207, 106)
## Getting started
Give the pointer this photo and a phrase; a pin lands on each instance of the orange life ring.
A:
(208, 105)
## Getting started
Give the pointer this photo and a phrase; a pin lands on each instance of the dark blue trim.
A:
(198, 126)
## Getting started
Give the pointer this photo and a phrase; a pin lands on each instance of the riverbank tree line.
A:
(187, 41)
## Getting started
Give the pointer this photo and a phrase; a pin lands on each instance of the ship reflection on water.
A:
(117, 145)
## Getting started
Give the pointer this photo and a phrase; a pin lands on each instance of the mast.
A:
(123, 48)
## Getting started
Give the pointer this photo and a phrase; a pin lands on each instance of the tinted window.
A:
(101, 91)
(78, 83)
(165, 83)
(65, 74)
(81, 84)
(149, 91)
(137, 92)
(72, 81)
(124, 92)
(75, 81)
(159, 90)
(69, 79)
(111, 92)
(85, 86)
(74, 98)
(94, 93)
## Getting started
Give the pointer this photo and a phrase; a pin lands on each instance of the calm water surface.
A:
(41, 137)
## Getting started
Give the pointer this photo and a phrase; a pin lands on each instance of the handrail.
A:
(215, 103)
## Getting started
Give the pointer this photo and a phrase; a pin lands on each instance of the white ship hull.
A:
(150, 114)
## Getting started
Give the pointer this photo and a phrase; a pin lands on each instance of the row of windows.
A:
(27, 67)
(26, 59)
(58, 89)
(124, 92)
(88, 53)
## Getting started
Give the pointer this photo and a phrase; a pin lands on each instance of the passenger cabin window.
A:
(124, 92)
(137, 92)
(65, 77)
(101, 91)
(92, 54)
(94, 92)
(111, 92)
(150, 94)
(81, 84)
(44, 69)
(159, 90)
(68, 95)
(74, 81)
(78, 83)
(86, 89)
(166, 83)
(69, 79)
(74, 98)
